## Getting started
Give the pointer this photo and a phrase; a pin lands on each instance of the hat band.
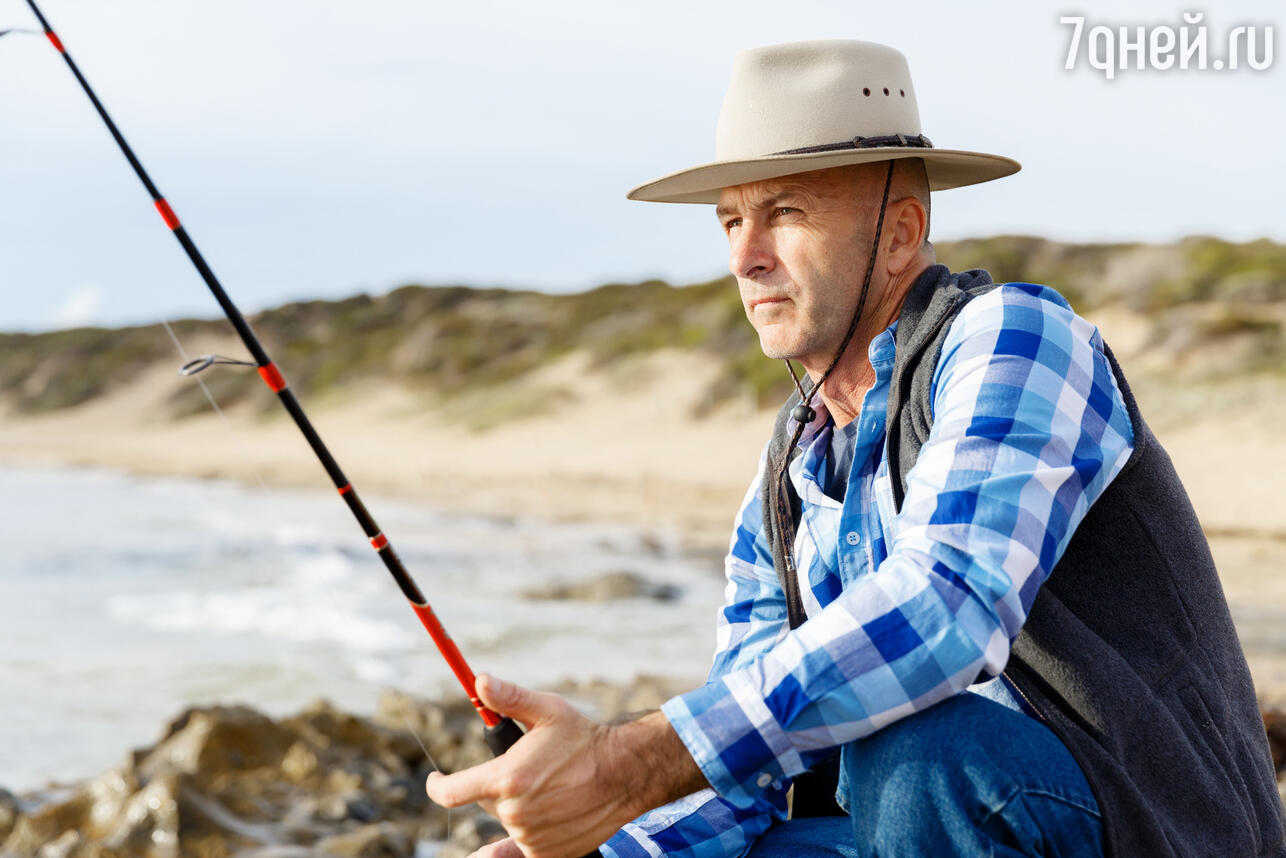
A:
(916, 141)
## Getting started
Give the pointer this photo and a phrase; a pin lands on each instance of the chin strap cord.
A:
(803, 413)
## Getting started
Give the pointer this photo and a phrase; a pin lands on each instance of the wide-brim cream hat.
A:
(812, 105)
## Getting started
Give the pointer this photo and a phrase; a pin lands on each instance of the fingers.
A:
(541, 788)
(487, 782)
(529, 707)
(500, 849)
(465, 787)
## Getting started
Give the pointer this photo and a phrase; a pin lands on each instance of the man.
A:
(965, 562)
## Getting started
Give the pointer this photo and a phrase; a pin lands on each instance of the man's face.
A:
(799, 255)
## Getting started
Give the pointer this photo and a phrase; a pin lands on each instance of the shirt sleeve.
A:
(1029, 428)
(752, 620)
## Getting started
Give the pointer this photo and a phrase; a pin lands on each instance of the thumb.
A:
(529, 707)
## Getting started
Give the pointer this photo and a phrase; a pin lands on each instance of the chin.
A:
(775, 349)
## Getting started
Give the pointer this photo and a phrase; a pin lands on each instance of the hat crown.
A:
(791, 96)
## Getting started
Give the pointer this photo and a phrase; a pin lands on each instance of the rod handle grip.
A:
(502, 737)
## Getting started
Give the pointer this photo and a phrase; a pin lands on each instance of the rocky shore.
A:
(228, 780)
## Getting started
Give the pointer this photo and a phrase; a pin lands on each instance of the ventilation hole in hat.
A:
(886, 90)
(866, 90)
(902, 92)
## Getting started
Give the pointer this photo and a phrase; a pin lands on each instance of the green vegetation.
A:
(455, 342)
(1144, 277)
(1218, 270)
(61, 369)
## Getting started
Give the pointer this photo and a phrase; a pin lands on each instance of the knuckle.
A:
(517, 816)
(513, 783)
(518, 820)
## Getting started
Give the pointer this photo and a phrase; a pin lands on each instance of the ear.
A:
(906, 227)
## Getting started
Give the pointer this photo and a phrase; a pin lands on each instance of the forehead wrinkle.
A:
(769, 198)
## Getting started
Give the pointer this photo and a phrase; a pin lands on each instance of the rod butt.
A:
(502, 736)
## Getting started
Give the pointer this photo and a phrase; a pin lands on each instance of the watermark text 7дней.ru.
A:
(1112, 49)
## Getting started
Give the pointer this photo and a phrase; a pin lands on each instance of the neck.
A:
(853, 376)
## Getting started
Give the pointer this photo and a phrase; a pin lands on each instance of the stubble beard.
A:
(799, 342)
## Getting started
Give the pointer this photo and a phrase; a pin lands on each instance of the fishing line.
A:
(192, 368)
(501, 733)
(407, 720)
(205, 362)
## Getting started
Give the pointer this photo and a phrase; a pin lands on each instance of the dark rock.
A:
(216, 740)
(9, 813)
(143, 821)
(470, 834)
(605, 588)
(227, 780)
(360, 807)
(49, 825)
(407, 794)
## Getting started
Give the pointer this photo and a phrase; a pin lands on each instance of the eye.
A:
(784, 211)
(730, 223)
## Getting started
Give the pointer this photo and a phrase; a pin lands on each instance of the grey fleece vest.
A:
(1129, 652)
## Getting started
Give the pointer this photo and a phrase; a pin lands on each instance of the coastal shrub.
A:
(453, 341)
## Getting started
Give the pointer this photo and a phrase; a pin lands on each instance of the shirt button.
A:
(763, 780)
(853, 537)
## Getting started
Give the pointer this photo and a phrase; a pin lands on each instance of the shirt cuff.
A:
(733, 737)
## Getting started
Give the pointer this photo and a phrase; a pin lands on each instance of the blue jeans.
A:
(967, 777)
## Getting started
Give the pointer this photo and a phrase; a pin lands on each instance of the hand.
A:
(500, 849)
(570, 783)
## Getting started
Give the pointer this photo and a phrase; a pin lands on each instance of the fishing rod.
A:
(501, 732)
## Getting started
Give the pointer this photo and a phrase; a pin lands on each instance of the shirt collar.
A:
(881, 353)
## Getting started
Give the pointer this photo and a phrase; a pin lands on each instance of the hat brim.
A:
(946, 168)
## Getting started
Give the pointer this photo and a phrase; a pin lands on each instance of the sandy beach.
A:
(626, 449)
(623, 445)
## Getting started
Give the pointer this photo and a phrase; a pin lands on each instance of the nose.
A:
(750, 252)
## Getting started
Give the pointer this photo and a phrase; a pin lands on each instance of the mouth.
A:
(759, 302)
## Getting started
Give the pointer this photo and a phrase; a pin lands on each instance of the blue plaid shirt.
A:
(905, 609)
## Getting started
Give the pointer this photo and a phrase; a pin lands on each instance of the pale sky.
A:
(319, 149)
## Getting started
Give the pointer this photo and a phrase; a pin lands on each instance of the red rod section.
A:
(273, 378)
(167, 214)
(453, 658)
